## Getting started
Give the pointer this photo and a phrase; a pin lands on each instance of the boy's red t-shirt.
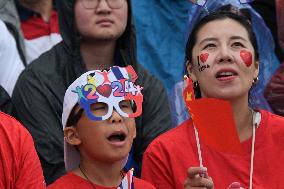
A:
(72, 181)
(19, 164)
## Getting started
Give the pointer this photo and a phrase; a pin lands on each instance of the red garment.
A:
(40, 36)
(168, 157)
(72, 181)
(19, 164)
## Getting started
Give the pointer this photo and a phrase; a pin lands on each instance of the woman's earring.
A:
(195, 84)
(255, 80)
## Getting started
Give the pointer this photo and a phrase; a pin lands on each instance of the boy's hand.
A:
(197, 178)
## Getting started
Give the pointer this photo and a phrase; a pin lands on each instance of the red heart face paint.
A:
(203, 57)
(246, 57)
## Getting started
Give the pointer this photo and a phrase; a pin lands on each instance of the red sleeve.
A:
(155, 168)
(30, 171)
(19, 164)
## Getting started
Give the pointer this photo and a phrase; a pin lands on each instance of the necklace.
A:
(83, 171)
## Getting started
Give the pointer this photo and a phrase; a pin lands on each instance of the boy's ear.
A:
(71, 135)
(190, 71)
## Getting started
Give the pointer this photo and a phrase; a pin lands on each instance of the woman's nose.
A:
(225, 55)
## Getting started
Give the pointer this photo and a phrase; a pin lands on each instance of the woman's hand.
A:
(197, 178)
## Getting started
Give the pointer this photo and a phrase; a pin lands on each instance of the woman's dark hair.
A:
(242, 16)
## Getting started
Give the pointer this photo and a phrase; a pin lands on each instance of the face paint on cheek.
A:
(246, 56)
(203, 67)
(203, 57)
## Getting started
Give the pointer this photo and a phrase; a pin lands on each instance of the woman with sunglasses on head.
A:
(223, 41)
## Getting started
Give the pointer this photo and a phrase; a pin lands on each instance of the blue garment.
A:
(160, 29)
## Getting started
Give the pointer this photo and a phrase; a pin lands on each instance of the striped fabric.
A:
(39, 35)
(127, 182)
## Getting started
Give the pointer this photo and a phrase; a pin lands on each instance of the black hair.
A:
(242, 16)
(73, 117)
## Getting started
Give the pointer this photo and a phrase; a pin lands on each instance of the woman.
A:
(225, 43)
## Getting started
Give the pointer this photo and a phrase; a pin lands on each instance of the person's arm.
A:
(155, 118)
(30, 173)
(38, 105)
(10, 62)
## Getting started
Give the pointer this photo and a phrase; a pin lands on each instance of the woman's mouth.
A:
(226, 75)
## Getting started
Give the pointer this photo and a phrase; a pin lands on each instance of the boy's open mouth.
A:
(117, 137)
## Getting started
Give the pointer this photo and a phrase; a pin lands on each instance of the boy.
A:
(99, 128)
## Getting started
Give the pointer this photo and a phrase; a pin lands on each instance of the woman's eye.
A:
(238, 44)
(210, 45)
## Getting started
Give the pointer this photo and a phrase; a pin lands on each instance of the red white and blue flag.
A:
(127, 182)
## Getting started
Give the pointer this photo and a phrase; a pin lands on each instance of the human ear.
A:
(256, 72)
(190, 71)
(71, 136)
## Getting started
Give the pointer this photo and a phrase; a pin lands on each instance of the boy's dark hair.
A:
(74, 117)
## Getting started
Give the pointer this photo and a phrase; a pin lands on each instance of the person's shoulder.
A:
(172, 137)
(50, 61)
(146, 78)
(143, 73)
(14, 133)
(142, 184)
(48, 67)
(271, 117)
(272, 123)
(11, 125)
